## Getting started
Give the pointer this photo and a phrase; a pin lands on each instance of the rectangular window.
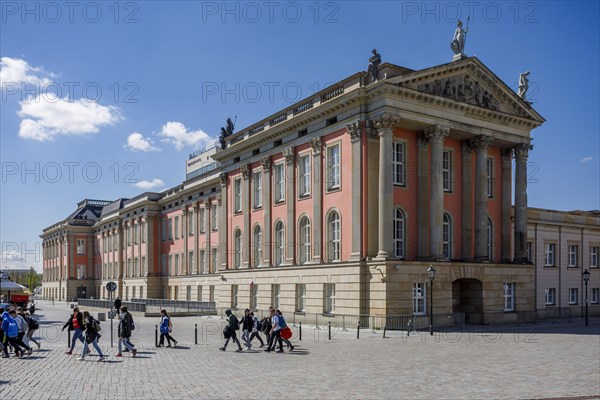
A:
(213, 217)
(509, 297)
(188, 293)
(530, 251)
(199, 298)
(257, 180)
(333, 167)
(177, 272)
(81, 272)
(594, 250)
(304, 176)
(447, 170)
(191, 263)
(573, 295)
(398, 163)
(144, 266)
(275, 288)
(143, 232)
(170, 229)
(80, 247)
(300, 297)
(234, 296)
(171, 264)
(191, 223)
(253, 297)
(237, 195)
(201, 222)
(163, 227)
(329, 294)
(165, 265)
(573, 252)
(550, 296)
(549, 254)
(177, 227)
(594, 296)
(214, 259)
(202, 262)
(211, 293)
(419, 298)
(490, 177)
(136, 231)
(278, 183)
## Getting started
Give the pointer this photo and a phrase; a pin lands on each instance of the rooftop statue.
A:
(523, 85)
(460, 36)
(225, 132)
(374, 62)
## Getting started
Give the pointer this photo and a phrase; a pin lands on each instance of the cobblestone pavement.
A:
(537, 361)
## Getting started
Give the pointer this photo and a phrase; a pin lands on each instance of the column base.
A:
(355, 257)
(383, 255)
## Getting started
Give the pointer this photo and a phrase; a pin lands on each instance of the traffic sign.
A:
(111, 286)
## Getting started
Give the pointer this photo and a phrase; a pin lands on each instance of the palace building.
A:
(339, 204)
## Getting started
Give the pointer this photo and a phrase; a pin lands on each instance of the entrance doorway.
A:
(467, 297)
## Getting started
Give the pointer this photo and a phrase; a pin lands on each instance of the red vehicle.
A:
(20, 300)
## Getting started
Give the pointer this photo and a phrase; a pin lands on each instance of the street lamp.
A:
(431, 273)
(586, 278)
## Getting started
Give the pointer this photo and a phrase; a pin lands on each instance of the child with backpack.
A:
(11, 333)
(256, 327)
(92, 334)
(232, 327)
(166, 327)
(33, 326)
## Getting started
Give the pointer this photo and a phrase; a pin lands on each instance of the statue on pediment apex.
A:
(374, 62)
(460, 36)
(523, 85)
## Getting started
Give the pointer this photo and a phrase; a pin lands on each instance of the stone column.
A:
(223, 248)
(423, 196)
(120, 252)
(355, 131)
(290, 196)
(196, 237)
(317, 187)
(506, 203)
(481, 144)
(385, 127)
(246, 209)
(436, 136)
(184, 221)
(208, 229)
(152, 243)
(467, 200)
(267, 226)
(521, 154)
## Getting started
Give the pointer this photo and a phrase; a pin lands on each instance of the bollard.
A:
(384, 329)
(69, 339)
(408, 329)
(329, 330)
(358, 330)
(196, 333)
(155, 335)
(300, 329)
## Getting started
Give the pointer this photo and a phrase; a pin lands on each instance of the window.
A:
(279, 243)
(136, 267)
(447, 236)
(211, 293)
(177, 272)
(530, 251)
(165, 265)
(170, 229)
(573, 295)
(191, 262)
(171, 264)
(214, 259)
(594, 250)
(333, 167)
(213, 217)
(253, 297)
(80, 247)
(188, 293)
(257, 179)
(234, 296)
(304, 225)
(202, 262)
(237, 256)
(304, 176)
(329, 294)
(549, 254)
(275, 291)
(177, 227)
(447, 170)
(573, 252)
(490, 238)
(398, 163)
(136, 232)
(279, 183)
(490, 177)
(399, 233)
(144, 266)
(143, 232)
(237, 195)
(509, 297)
(81, 272)
(300, 297)
(550, 296)
(163, 229)
(333, 237)
(258, 246)
(191, 223)
(594, 297)
(199, 298)
(201, 217)
(419, 298)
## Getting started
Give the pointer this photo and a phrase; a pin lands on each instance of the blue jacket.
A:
(164, 324)
(9, 325)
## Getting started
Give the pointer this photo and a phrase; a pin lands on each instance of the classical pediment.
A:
(468, 81)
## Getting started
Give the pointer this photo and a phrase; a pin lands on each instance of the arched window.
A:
(399, 233)
(490, 238)
(258, 245)
(304, 240)
(447, 237)
(333, 239)
(279, 243)
(237, 255)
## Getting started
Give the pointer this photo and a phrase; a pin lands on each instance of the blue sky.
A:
(105, 100)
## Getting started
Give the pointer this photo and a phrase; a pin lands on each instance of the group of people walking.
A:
(16, 331)
(271, 326)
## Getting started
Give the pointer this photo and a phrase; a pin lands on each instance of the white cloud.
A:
(46, 116)
(136, 141)
(14, 71)
(13, 259)
(147, 185)
(177, 134)
(586, 159)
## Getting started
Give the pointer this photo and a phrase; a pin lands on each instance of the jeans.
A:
(246, 338)
(77, 334)
(276, 335)
(13, 341)
(95, 344)
(124, 341)
(256, 335)
(21, 342)
(30, 336)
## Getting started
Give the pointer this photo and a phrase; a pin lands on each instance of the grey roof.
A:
(114, 206)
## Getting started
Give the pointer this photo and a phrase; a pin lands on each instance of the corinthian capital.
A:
(481, 142)
(386, 122)
(289, 155)
(316, 145)
(522, 150)
(245, 171)
(436, 133)
(223, 177)
(355, 131)
(266, 164)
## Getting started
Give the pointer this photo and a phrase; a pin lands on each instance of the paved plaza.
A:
(560, 360)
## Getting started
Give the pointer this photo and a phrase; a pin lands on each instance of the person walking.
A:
(11, 333)
(232, 327)
(283, 325)
(166, 327)
(125, 328)
(255, 330)
(247, 327)
(117, 304)
(275, 333)
(92, 334)
(23, 327)
(33, 326)
(267, 324)
(75, 324)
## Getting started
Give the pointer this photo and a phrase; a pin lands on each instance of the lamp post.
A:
(586, 278)
(431, 273)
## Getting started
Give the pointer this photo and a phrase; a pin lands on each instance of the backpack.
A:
(12, 329)
(236, 324)
(259, 325)
(95, 325)
(33, 324)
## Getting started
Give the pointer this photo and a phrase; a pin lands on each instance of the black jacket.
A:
(125, 326)
(90, 332)
(118, 304)
(70, 322)
(247, 323)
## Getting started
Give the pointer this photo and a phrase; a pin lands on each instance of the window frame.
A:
(237, 255)
(237, 195)
(447, 170)
(399, 163)
(399, 242)
(447, 228)
(490, 163)
(509, 296)
(419, 297)
(573, 296)
(257, 235)
(279, 230)
(329, 298)
(304, 176)
(300, 297)
(304, 234)
(257, 189)
(550, 252)
(334, 237)
(572, 255)
(334, 170)
(550, 293)
(278, 183)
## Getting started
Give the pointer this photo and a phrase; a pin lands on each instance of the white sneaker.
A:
(81, 359)
(101, 358)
